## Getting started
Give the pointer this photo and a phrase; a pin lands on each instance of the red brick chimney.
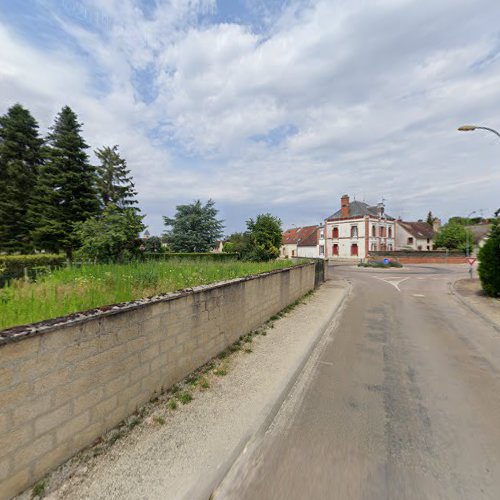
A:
(344, 205)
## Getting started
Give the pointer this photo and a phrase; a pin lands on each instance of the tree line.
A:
(53, 199)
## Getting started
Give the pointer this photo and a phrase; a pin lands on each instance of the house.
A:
(358, 228)
(219, 245)
(415, 235)
(480, 234)
(303, 242)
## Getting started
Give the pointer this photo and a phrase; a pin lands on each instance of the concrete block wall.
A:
(63, 385)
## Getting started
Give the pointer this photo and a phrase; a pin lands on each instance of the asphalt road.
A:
(402, 402)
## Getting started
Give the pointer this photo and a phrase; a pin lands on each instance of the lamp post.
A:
(470, 128)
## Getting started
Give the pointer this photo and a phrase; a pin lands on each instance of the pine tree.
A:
(430, 219)
(114, 183)
(65, 192)
(20, 159)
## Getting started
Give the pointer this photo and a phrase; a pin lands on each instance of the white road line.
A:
(393, 280)
(326, 363)
(418, 295)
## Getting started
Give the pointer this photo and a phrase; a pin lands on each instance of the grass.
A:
(73, 289)
(160, 419)
(39, 489)
(185, 397)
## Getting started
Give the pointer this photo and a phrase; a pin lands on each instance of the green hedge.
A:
(198, 256)
(13, 266)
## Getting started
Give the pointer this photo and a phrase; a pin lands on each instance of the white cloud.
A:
(372, 90)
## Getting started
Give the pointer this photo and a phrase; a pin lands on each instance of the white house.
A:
(306, 241)
(415, 235)
(358, 228)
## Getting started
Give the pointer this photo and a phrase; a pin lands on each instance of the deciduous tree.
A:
(453, 236)
(265, 237)
(112, 236)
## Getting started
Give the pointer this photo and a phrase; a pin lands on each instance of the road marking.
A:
(326, 363)
(393, 280)
(418, 295)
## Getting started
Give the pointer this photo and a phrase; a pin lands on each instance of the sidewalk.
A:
(470, 293)
(190, 454)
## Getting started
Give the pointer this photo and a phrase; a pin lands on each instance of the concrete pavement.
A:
(402, 401)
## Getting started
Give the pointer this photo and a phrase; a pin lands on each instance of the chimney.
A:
(436, 225)
(344, 205)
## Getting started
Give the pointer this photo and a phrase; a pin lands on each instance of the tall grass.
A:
(72, 289)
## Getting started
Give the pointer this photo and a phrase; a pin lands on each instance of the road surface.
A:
(403, 402)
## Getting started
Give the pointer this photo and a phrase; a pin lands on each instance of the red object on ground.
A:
(471, 260)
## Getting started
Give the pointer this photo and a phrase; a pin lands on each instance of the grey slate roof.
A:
(358, 209)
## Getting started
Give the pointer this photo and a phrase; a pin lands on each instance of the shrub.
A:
(206, 256)
(489, 262)
(13, 266)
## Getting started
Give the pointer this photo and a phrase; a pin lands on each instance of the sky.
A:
(276, 106)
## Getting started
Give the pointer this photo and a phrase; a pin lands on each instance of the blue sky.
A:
(274, 106)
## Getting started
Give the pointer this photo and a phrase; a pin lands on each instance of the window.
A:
(322, 249)
(293, 253)
(382, 231)
(419, 247)
(390, 247)
(410, 241)
(322, 234)
(374, 247)
(428, 240)
(390, 232)
(354, 250)
(335, 232)
(374, 231)
(354, 231)
(428, 247)
(335, 249)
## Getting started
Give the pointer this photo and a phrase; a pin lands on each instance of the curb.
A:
(262, 428)
(475, 310)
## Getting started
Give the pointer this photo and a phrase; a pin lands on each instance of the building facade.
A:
(358, 228)
(306, 241)
(414, 236)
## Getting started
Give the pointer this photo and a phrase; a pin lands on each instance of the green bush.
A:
(489, 262)
(12, 266)
(211, 257)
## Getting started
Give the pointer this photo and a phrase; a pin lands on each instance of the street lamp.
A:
(470, 128)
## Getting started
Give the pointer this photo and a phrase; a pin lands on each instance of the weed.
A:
(234, 347)
(263, 333)
(220, 372)
(274, 317)
(248, 350)
(204, 383)
(133, 422)
(115, 436)
(39, 489)
(160, 419)
(172, 404)
(222, 355)
(185, 397)
(175, 389)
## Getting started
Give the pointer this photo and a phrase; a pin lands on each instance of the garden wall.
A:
(63, 385)
(417, 257)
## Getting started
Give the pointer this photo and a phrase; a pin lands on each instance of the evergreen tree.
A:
(114, 184)
(430, 219)
(65, 192)
(195, 228)
(20, 158)
(489, 262)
